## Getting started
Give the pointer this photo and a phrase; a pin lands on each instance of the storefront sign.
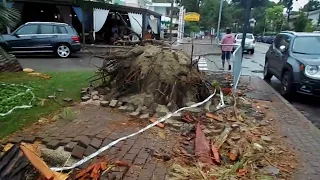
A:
(192, 16)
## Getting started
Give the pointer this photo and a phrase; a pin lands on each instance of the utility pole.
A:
(246, 23)
(4, 3)
(219, 20)
(171, 17)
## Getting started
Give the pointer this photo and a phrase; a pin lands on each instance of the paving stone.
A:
(130, 108)
(41, 135)
(89, 150)
(113, 103)
(65, 141)
(95, 97)
(54, 144)
(51, 96)
(15, 140)
(78, 152)
(162, 110)
(101, 136)
(120, 103)
(122, 108)
(83, 141)
(67, 99)
(70, 146)
(47, 139)
(104, 103)
(96, 143)
(29, 139)
(107, 141)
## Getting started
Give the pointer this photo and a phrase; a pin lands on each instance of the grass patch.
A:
(71, 82)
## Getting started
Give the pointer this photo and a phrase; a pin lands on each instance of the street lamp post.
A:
(219, 20)
(171, 17)
(246, 23)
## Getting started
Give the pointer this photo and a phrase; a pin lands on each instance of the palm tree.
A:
(9, 17)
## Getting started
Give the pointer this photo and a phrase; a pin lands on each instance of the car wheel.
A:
(266, 74)
(63, 50)
(286, 84)
(251, 51)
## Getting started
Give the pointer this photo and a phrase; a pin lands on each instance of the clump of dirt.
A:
(169, 76)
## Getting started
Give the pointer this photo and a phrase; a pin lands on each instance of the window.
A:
(46, 29)
(306, 45)
(28, 29)
(63, 30)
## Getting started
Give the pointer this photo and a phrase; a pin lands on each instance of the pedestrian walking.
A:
(227, 48)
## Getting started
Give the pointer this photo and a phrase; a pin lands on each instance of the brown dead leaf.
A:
(215, 117)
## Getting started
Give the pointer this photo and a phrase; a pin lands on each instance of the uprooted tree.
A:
(163, 74)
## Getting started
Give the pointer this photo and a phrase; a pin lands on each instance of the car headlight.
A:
(312, 70)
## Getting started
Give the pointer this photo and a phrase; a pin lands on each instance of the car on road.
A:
(249, 42)
(294, 58)
(42, 37)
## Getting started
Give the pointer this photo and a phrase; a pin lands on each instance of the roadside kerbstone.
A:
(96, 143)
(83, 141)
(78, 152)
(54, 144)
(85, 98)
(70, 146)
(89, 150)
(122, 108)
(104, 103)
(113, 103)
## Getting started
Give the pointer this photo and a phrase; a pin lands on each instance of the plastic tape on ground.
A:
(18, 107)
(126, 137)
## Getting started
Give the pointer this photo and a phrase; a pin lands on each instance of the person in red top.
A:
(227, 48)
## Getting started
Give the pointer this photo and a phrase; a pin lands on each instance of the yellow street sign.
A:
(192, 16)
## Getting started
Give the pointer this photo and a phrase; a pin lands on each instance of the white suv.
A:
(249, 43)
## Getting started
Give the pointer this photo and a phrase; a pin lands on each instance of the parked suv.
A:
(249, 42)
(42, 37)
(294, 58)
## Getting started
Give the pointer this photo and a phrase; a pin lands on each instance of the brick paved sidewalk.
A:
(302, 135)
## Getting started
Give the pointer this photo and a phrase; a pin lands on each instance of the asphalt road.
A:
(47, 63)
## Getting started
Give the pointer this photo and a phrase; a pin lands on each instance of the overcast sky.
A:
(297, 4)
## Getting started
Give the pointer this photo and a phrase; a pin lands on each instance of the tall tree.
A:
(301, 22)
(288, 5)
(191, 5)
(254, 3)
(9, 17)
(274, 17)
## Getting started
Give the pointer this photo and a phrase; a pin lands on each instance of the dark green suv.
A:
(294, 58)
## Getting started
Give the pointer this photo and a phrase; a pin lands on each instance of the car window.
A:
(306, 45)
(46, 29)
(63, 30)
(28, 29)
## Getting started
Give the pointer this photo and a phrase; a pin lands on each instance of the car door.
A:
(45, 37)
(23, 38)
(282, 57)
(273, 55)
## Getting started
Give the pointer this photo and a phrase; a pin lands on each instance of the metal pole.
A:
(246, 24)
(171, 17)
(219, 20)
(4, 3)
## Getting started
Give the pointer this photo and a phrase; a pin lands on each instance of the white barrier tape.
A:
(18, 107)
(130, 135)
